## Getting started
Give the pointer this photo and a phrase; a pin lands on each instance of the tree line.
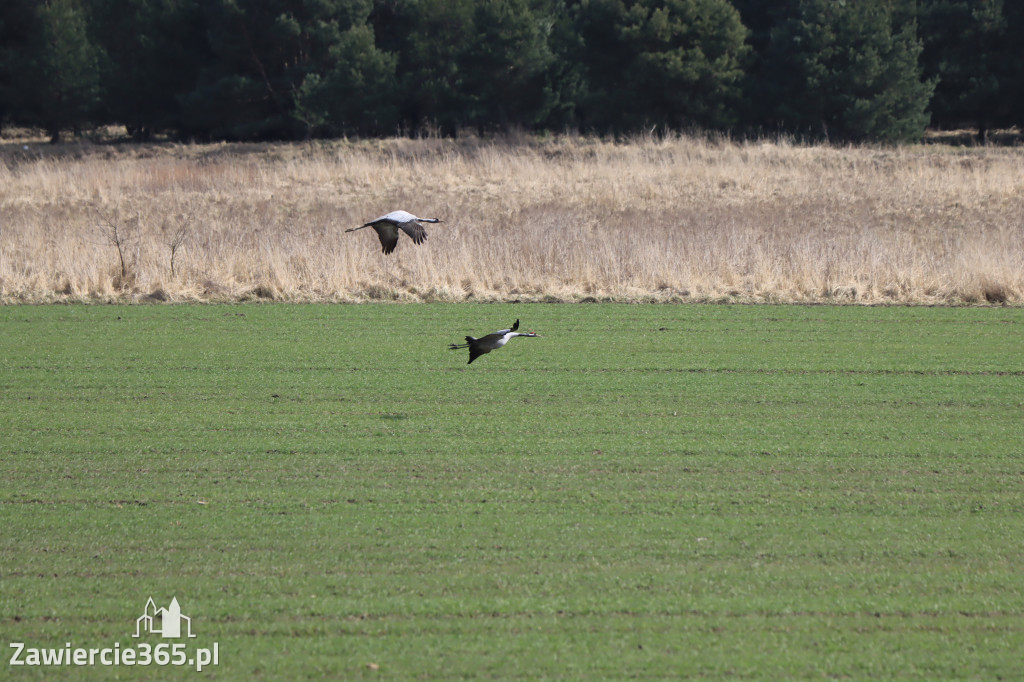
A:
(846, 70)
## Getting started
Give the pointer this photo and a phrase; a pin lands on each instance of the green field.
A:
(645, 491)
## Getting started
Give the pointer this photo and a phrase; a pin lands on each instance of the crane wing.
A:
(501, 332)
(388, 234)
(415, 231)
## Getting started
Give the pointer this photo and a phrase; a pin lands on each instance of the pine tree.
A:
(674, 63)
(154, 50)
(356, 95)
(967, 49)
(846, 71)
(53, 70)
(505, 66)
(474, 63)
(269, 62)
(1014, 91)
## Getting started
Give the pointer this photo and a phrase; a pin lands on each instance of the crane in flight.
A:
(486, 344)
(387, 227)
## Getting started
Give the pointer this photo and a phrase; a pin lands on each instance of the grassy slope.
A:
(719, 490)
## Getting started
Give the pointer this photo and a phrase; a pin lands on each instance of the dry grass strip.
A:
(563, 218)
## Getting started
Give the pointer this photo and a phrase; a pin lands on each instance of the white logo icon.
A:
(166, 622)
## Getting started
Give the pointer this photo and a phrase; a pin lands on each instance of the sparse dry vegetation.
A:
(659, 219)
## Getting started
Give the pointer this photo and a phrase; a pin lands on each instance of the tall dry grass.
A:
(558, 219)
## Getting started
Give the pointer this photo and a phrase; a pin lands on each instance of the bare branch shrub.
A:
(123, 235)
(175, 236)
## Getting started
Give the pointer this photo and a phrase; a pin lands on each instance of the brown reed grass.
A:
(562, 218)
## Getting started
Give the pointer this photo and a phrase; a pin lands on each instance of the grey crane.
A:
(486, 344)
(387, 227)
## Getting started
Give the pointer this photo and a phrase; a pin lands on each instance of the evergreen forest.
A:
(835, 70)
